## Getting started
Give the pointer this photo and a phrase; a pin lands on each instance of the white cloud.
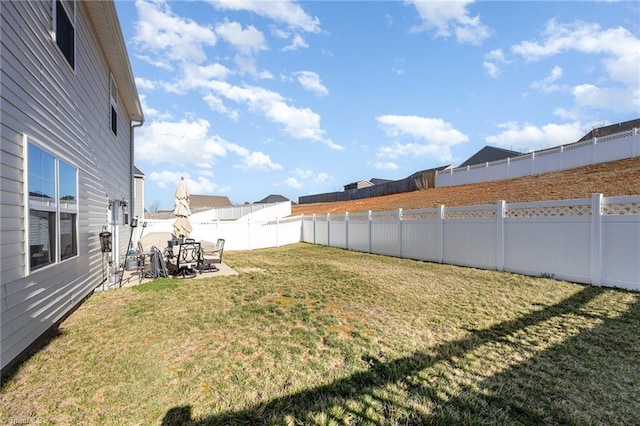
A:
(298, 42)
(259, 161)
(612, 98)
(187, 143)
(216, 104)
(246, 40)
(435, 137)
(385, 165)
(247, 65)
(152, 112)
(176, 141)
(547, 85)
(311, 175)
(620, 45)
(200, 185)
(299, 123)
(292, 182)
(311, 82)
(492, 62)
(527, 137)
(620, 51)
(196, 74)
(145, 83)
(175, 38)
(321, 177)
(284, 11)
(451, 17)
(303, 174)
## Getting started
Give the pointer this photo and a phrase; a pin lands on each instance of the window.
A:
(114, 121)
(113, 99)
(64, 30)
(53, 211)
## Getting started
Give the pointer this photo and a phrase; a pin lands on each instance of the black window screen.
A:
(65, 37)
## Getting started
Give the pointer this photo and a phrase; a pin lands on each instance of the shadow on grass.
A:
(468, 409)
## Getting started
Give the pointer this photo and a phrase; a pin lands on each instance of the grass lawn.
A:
(315, 335)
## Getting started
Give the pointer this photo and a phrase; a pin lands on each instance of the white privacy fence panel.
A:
(597, 150)
(470, 236)
(553, 235)
(385, 233)
(338, 230)
(422, 235)
(592, 241)
(321, 230)
(620, 243)
(358, 231)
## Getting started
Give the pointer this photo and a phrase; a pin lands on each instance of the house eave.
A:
(107, 27)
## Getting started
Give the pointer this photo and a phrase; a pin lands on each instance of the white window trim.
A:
(57, 209)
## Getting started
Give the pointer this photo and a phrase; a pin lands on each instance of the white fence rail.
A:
(597, 150)
(592, 241)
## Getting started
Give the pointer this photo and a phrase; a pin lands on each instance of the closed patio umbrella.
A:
(182, 227)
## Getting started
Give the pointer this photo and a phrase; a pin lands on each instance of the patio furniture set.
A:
(183, 257)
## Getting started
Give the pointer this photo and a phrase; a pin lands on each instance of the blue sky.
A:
(250, 98)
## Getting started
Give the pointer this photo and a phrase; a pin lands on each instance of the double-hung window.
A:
(64, 32)
(113, 101)
(53, 208)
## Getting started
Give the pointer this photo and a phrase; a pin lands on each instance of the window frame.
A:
(56, 210)
(113, 103)
(71, 18)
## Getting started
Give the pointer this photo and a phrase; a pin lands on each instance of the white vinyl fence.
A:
(592, 241)
(597, 150)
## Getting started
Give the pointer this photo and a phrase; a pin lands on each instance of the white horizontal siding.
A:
(67, 112)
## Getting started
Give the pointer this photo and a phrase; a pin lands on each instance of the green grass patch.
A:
(314, 335)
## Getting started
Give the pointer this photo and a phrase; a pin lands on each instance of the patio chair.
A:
(210, 256)
(189, 259)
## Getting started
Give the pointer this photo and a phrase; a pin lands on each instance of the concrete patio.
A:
(132, 278)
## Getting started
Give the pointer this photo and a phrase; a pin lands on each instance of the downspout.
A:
(132, 180)
(131, 167)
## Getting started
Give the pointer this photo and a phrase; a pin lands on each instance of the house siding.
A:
(67, 113)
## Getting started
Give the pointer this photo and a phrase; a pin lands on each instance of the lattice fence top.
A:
(620, 209)
(470, 214)
(384, 217)
(549, 211)
(420, 215)
(339, 218)
(609, 138)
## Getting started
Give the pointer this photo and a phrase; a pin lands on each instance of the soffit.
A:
(107, 26)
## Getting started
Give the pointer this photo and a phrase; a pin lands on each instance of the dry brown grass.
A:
(611, 179)
(316, 335)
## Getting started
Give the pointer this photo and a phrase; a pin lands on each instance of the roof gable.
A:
(489, 154)
(208, 201)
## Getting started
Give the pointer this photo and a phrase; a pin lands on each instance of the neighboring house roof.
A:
(377, 181)
(204, 202)
(105, 22)
(197, 203)
(137, 171)
(489, 154)
(273, 198)
(608, 130)
(357, 185)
